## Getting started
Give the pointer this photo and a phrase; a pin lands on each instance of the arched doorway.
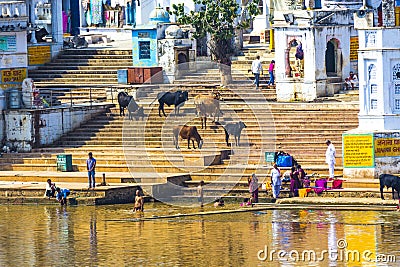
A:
(330, 58)
(182, 61)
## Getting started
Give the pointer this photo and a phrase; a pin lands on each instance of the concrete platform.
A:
(33, 193)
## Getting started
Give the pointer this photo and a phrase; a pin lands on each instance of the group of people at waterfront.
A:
(296, 176)
(60, 194)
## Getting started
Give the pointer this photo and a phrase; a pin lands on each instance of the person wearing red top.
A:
(271, 73)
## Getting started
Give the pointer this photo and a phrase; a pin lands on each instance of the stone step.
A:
(110, 63)
(75, 76)
(98, 52)
(97, 81)
(59, 67)
(78, 56)
(61, 71)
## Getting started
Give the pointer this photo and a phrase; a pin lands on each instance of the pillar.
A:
(56, 21)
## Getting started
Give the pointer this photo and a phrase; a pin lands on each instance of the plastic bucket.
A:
(14, 99)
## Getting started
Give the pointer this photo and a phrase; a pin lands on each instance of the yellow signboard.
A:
(387, 147)
(358, 151)
(13, 75)
(39, 55)
(353, 48)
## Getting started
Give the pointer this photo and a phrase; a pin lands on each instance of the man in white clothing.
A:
(257, 69)
(330, 156)
(276, 181)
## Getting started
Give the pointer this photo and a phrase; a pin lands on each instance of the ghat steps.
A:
(297, 128)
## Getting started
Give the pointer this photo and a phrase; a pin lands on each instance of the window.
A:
(396, 72)
(144, 50)
(374, 88)
(261, 6)
(397, 104)
(374, 104)
(397, 89)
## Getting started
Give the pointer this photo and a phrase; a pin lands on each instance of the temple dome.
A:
(159, 15)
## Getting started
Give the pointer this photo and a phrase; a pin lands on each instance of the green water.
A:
(106, 236)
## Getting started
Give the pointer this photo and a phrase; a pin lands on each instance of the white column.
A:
(56, 21)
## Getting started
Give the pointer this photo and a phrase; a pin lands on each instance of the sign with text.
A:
(358, 151)
(13, 75)
(39, 55)
(353, 48)
(387, 147)
(8, 43)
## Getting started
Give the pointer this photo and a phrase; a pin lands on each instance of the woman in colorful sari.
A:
(253, 188)
(295, 184)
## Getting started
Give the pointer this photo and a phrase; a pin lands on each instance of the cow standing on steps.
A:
(177, 99)
(123, 101)
(389, 180)
(208, 105)
(189, 133)
(127, 101)
(234, 129)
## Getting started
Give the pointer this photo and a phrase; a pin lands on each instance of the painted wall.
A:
(143, 11)
(144, 35)
(168, 57)
(26, 129)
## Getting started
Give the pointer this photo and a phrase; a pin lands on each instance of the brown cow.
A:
(208, 105)
(189, 133)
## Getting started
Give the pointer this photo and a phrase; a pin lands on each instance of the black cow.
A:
(177, 99)
(389, 180)
(234, 129)
(40, 34)
(123, 100)
(135, 111)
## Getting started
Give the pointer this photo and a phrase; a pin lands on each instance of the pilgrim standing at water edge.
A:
(139, 201)
(257, 69)
(91, 166)
(200, 193)
(276, 181)
(253, 188)
(330, 155)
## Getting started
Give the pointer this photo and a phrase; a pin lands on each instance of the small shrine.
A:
(314, 57)
(160, 47)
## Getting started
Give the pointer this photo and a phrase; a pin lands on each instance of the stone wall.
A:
(27, 129)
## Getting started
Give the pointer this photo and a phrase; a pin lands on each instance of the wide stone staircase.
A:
(81, 75)
(143, 151)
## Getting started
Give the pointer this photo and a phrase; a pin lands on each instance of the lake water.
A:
(107, 236)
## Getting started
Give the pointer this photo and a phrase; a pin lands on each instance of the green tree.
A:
(218, 19)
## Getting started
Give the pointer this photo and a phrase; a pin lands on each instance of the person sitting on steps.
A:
(351, 81)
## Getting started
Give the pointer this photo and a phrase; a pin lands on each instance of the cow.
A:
(39, 35)
(135, 111)
(127, 101)
(208, 105)
(389, 180)
(177, 99)
(234, 129)
(198, 99)
(189, 133)
(123, 100)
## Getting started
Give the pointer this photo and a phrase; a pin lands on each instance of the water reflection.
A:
(104, 236)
